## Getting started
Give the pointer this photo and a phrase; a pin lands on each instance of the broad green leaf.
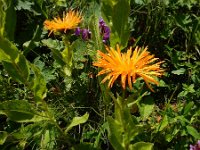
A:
(48, 140)
(192, 131)
(188, 107)
(38, 84)
(179, 71)
(163, 123)
(10, 19)
(76, 121)
(8, 51)
(18, 69)
(115, 14)
(2, 18)
(3, 137)
(115, 134)
(146, 107)
(14, 62)
(21, 111)
(142, 146)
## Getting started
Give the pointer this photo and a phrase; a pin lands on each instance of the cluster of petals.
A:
(196, 146)
(69, 21)
(130, 66)
(104, 30)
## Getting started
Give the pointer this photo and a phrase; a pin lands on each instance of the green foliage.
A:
(21, 111)
(48, 82)
(3, 136)
(76, 121)
(115, 13)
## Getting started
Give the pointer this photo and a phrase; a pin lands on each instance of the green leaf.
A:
(85, 146)
(3, 137)
(142, 146)
(18, 69)
(38, 84)
(26, 5)
(188, 107)
(10, 19)
(8, 51)
(146, 107)
(179, 71)
(76, 121)
(30, 45)
(21, 111)
(192, 131)
(115, 14)
(48, 140)
(163, 123)
(115, 134)
(14, 62)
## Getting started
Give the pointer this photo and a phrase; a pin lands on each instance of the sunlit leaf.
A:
(21, 111)
(76, 121)
(192, 131)
(3, 137)
(142, 146)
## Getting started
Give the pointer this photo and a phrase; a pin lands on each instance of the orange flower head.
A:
(70, 20)
(130, 66)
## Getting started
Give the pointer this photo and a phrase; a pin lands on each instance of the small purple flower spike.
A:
(86, 34)
(101, 22)
(78, 31)
(104, 29)
(106, 33)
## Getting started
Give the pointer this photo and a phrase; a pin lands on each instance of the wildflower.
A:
(86, 34)
(105, 30)
(78, 31)
(69, 21)
(196, 146)
(130, 65)
(106, 33)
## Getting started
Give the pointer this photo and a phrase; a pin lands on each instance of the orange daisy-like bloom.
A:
(130, 66)
(70, 20)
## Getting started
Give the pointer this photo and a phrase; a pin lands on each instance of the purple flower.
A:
(86, 34)
(106, 33)
(105, 30)
(196, 146)
(78, 31)
(101, 22)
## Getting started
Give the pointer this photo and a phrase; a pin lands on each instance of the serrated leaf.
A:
(26, 5)
(179, 71)
(76, 121)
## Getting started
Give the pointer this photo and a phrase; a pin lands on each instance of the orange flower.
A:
(129, 66)
(70, 20)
